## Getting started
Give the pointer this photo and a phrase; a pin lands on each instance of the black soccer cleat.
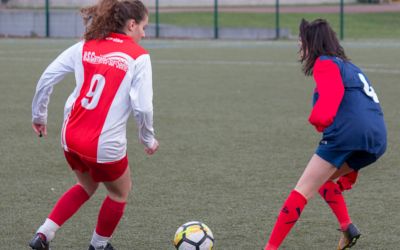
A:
(39, 242)
(108, 247)
(349, 237)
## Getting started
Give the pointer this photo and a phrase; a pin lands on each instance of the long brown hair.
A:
(110, 16)
(317, 39)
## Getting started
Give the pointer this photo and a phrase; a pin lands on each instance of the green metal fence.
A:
(278, 17)
(282, 18)
(47, 18)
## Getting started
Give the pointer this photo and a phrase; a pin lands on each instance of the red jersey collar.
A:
(120, 36)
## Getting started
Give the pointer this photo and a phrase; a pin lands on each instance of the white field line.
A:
(383, 71)
(373, 68)
(225, 62)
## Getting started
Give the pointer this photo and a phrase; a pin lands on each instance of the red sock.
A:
(347, 181)
(68, 204)
(288, 216)
(109, 216)
(331, 193)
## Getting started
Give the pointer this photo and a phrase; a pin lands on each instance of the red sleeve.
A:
(330, 90)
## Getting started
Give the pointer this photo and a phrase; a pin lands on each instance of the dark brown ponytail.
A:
(111, 16)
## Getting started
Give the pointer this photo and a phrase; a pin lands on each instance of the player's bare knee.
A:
(89, 189)
(119, 196)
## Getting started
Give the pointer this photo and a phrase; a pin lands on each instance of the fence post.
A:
(341, 20)
(47, 19)
(216, 33)
(157, 20)
(277, 28)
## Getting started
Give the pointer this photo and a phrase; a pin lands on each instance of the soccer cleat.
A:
(39, 242)
(108, 247)
(349, 237)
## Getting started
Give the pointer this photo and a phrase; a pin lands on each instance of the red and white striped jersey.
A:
(113, 79)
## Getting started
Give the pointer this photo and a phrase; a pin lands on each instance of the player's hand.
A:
(40, 129)
(153, 149)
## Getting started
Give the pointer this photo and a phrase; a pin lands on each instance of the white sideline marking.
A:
(373, 68)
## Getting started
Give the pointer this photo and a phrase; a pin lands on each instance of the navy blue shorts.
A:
(355, 159)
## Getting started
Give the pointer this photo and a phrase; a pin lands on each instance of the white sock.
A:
(98, 241)
(49, 229)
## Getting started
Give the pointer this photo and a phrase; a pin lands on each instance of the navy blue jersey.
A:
(359, 122)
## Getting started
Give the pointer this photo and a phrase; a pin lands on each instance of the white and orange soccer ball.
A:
(194, 235)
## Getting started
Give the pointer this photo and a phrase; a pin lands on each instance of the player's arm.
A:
(141, 95)
(54, 73)
(330, 94)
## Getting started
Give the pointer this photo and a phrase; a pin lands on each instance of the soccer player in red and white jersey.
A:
(113, 80)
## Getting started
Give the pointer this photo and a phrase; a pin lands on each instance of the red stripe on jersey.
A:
(105, 65)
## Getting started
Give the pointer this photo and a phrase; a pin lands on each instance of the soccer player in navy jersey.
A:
(346, 111)
(113, 80)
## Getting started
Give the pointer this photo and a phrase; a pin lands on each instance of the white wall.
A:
(170, 3)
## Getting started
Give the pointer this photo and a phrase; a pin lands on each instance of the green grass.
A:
(231, 118)
(357, 25)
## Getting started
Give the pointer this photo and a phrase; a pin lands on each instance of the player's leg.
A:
(316, 173)
(67, 205)
(330, 191)
(347, 181)
(111, 210)
(357, 160)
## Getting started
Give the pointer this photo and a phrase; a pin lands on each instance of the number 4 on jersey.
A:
(92, 97)
(368, 89)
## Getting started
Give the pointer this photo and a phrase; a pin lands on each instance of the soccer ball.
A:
(194, 235)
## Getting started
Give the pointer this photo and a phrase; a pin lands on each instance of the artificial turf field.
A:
(231, 118)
